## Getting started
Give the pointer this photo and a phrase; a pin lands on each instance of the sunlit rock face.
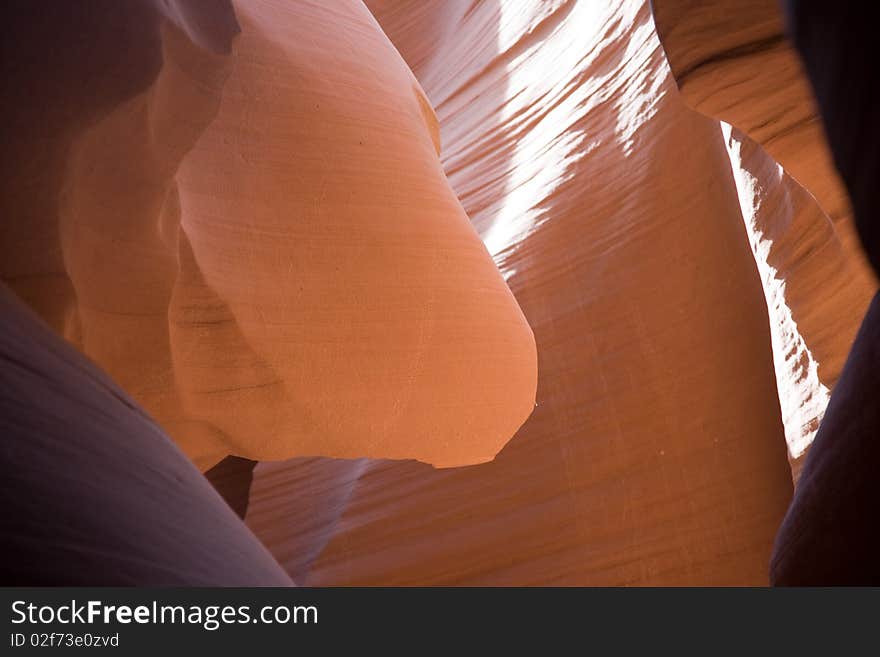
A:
(656, 452)
(731, 60)
(615, 278)
(257, 239)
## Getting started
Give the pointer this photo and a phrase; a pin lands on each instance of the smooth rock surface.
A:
(733, 61)
(313, 230)
(656, 453)
(94, 494)
(248, 227)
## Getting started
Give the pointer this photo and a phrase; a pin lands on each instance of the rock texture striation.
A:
(434, 291)
(94, 494)
(656, 452)
(248, 227)
(732, 61)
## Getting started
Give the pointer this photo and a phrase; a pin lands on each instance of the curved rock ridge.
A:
(323, 246)
(248, 227)
(656, 453)
(807, 278)
(732, 61)
(94, 493)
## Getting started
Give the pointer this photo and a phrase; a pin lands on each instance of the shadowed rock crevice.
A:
(232, 478)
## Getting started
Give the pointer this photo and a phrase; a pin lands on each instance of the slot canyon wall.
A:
(434, 291)
(732, 61)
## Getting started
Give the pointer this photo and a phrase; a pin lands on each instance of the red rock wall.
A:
(656, 452)
(732, 61)
(258, 242)
(302, 230)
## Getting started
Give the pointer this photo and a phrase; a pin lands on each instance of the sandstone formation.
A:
(656, 453)
(433, 291)
(93, 492)
(732, 61)
(829, 535)
(252, 234)
(813, 302)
